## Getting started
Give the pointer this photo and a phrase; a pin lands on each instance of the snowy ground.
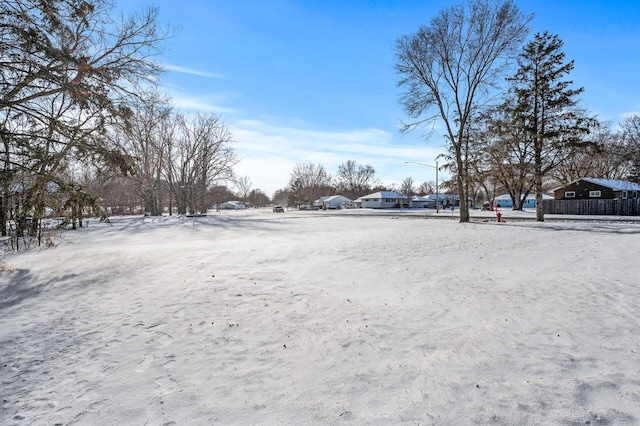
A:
(314, 318)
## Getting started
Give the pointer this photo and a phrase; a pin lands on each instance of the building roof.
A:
(336, 197)
(330, 198)
(529, 197)
(614, 184)
(385, 194)
(432, 197)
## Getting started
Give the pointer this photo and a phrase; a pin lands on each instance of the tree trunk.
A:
(3, 216)
(538, 180)
(460, 179)
(517, 202)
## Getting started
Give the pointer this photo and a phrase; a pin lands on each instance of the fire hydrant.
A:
(498, 215)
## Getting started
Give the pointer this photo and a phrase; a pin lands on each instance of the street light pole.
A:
(434, 167)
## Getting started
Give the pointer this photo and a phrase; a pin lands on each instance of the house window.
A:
(570, 194)
(595, 194)
(624, 195)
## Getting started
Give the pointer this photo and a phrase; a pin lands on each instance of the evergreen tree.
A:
(547, 107)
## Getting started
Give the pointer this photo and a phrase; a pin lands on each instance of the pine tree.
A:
(547, 107)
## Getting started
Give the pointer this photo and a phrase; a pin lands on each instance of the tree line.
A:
(308, 182)
(511, 114)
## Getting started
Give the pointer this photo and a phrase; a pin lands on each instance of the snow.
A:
(349, 317)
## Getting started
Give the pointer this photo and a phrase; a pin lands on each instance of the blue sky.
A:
(314, 81)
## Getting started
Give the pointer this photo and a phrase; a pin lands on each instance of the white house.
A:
(232, 205)
(383, 200)
(318, 203)
(333, 202)
(419, 202)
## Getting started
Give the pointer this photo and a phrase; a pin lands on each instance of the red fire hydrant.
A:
(498, 215)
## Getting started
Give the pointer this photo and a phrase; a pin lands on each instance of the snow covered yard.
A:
(304, 318)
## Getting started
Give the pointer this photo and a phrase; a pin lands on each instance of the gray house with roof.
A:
(333, 202)
(383, 200)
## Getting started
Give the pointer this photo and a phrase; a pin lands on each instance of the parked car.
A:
(278, 209)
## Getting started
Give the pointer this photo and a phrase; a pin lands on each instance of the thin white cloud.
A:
(626, 115)
(191, 71)
(199, 104)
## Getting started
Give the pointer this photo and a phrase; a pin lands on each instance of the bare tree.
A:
(68, 69)
(219, 194)
(307, 183)
(604, 155)
(355, 180)
(630, 131)
(406, 187)
(146, 139)
(505, 153)
(243, 187)
(280, 196)
(426, 188)
(257, 198)
(449, 66)
(200, 155)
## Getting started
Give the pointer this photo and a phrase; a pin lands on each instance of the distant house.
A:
(593, 188)
(446, 200)
(333, 202)
(593, 196)
(232, 205)
(383, 200)
(318, 203)
(419, 202)
(504, 200)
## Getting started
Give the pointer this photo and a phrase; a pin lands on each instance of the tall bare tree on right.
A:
(449, 68)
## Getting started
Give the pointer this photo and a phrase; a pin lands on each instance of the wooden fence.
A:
(616, 207)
